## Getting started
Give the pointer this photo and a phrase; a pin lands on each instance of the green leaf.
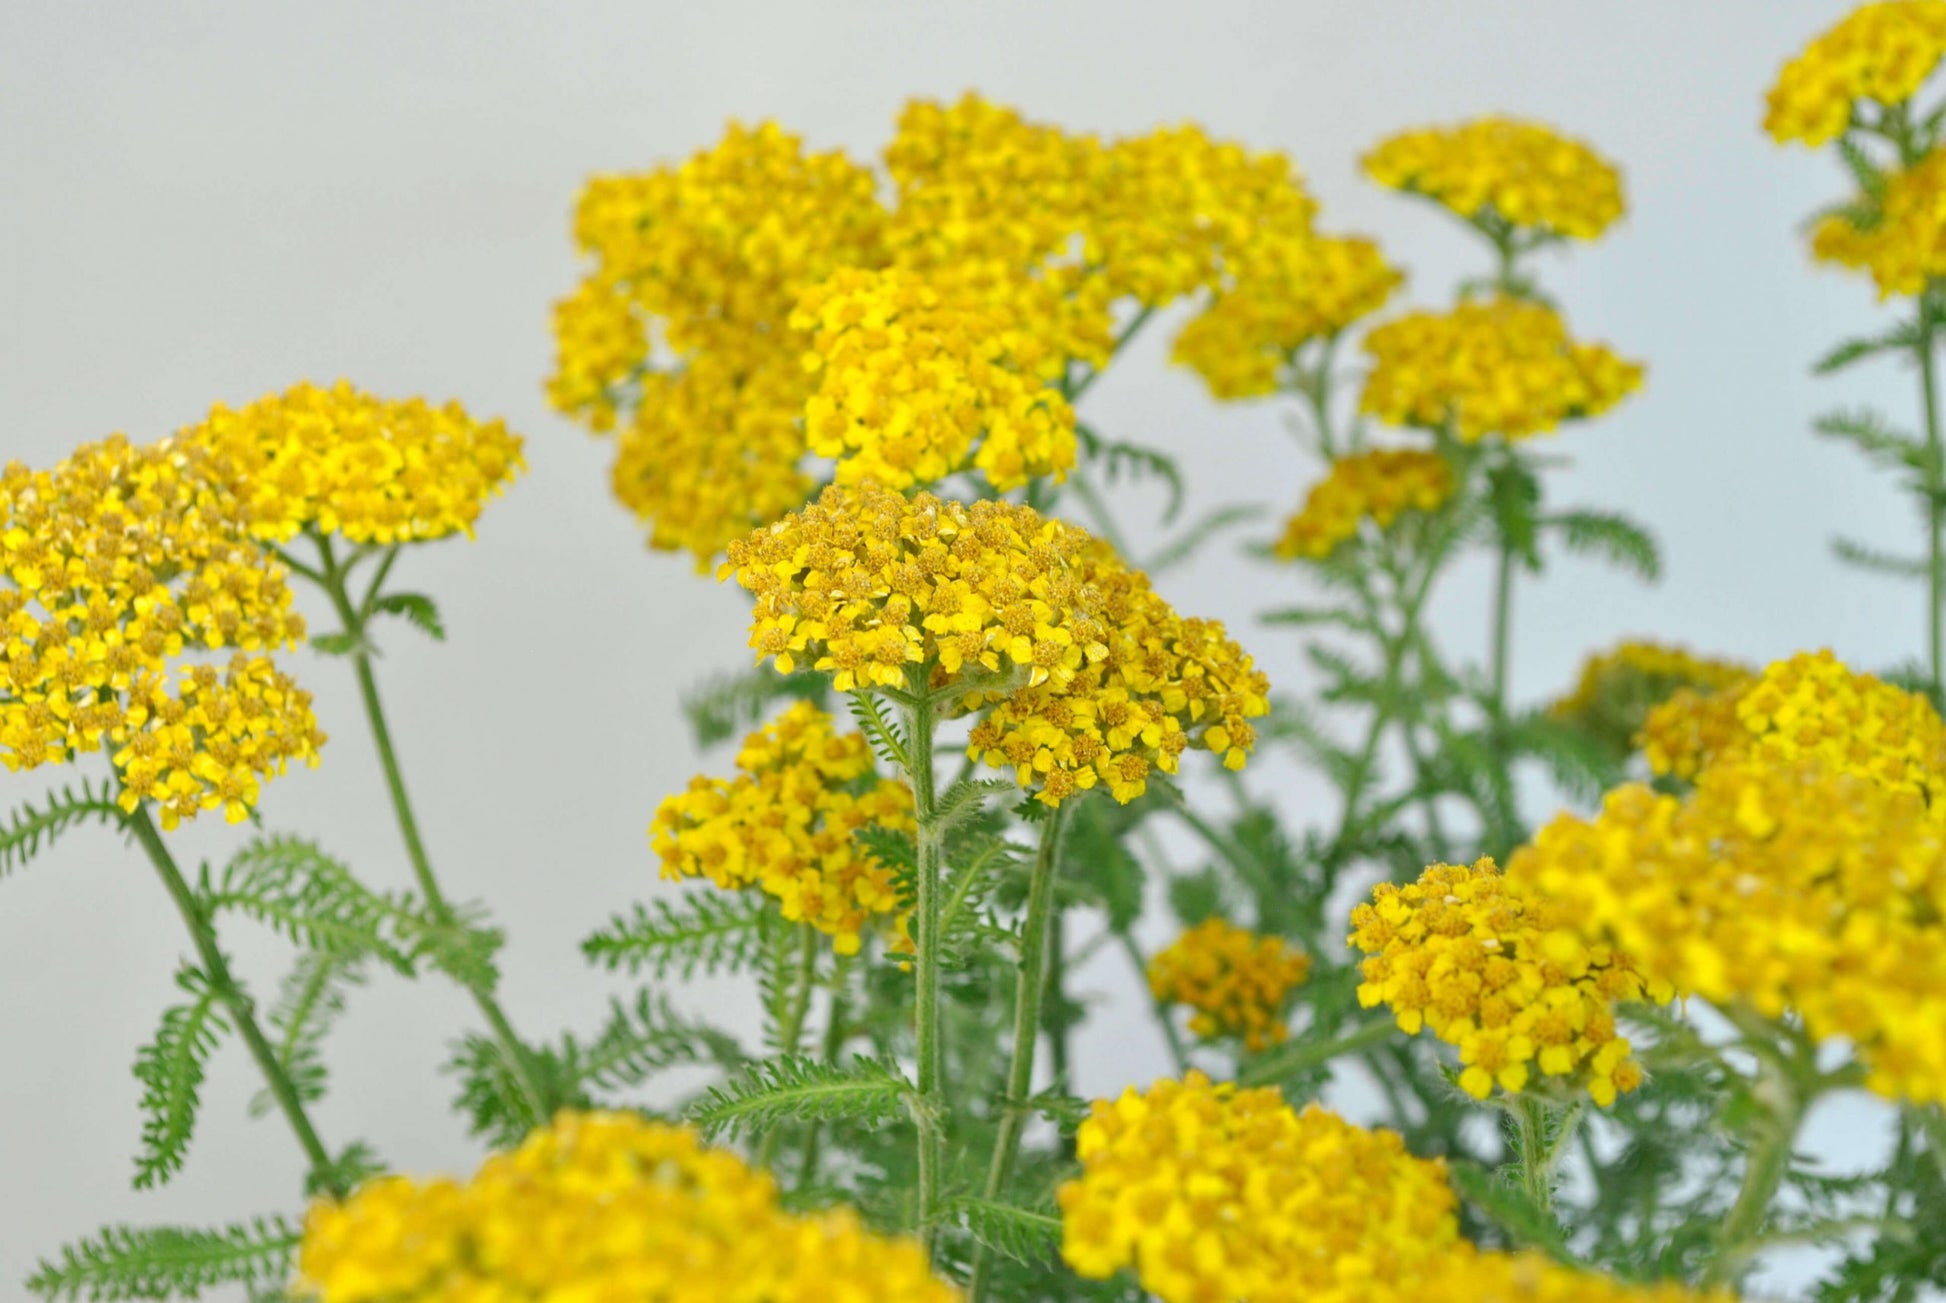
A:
(966, 928)
(1207, 526)
(1514, 493)
(491, 1095)
(310, 1001)
(165, 1262)
(419, 611)
(642, 1039)
(170, 1069)
(1613, 538)
(1027, 1235)
(1509, 1207)
(29, 828)
(1133, 460)
(706, 931)
(1903, 337)
(1869, 177)
(966, 799)
(730, 704)
(1307, 616)
(887, 741)
(1872, 435)
(458, 941)
(1194, 897)
(297, 889)
(1096, 857)
(894, 850)
(1581, 763)
(796, 1088)
(354, 1165)
(1853, 553)
(339, 644)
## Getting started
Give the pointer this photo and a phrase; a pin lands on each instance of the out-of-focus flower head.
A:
(1619, 687)
(1378, 485)
(1235, 981)
(1879, 52)
(1899, 237)
(1523, 173)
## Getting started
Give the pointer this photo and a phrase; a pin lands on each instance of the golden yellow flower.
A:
(1236, 981)
(1501, 366)
(1524, 173)
(1485, 1277)
(1377, 485)
(1797, 882)
(1903, 244)
(915, 385)
(1213, 1193)
(1618, 688)
(785, 825)
(1879, 52)
(600, 1206)
(1284, 296)
(119, 567)
(1503, 974)
(371, 469)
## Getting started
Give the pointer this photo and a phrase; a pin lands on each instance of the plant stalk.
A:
(790, 1027)
(1935, 493)
(930, 1113)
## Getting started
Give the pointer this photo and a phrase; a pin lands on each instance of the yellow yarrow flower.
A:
(1210, 1192)
(1879, 52)
(1903, 243)
(1618, 688)
(1781, 884)
(1478, 1276)
(1378, 485)
(785, 825)
(1501, 366)
(374, 470)
(1502, 974)
(915, 385)
(1236, 981)
(1524, 173)
(600, 1206)
(118, 569)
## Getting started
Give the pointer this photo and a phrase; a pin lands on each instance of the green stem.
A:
(1535, 1155)
(217, 970)
(1028, 990)
(1296, 1056)
(1178, 1053)
(1935, 494)
(1780, 1087)
(930, 1114)
(836, 1029)
(1503, 610)
(790, 1027)
(511, 1046)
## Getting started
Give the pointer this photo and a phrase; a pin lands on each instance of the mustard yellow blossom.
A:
(1781, 883)
(910, 381)
(1878, 52)
(1903, 244)
(1501, 366)
(1236, 981)
(1096, 678)
(1486, 1277)
(785, 825)
(119, 569)
(1377, 485)
(600, 1206)
(374, 470)
(1502, 974)
(1524, 173)
(1213, 1193)
(1285, 295)
(1618, 688)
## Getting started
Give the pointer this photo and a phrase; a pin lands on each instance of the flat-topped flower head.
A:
(784, 825)
(1379, 485)
(1784, 885)
(1283, 296)
(1500, 366)
(1525, 174)
(136, 618)
(1618, 688)
(1503, 974)
(1209, 1192)
(601, 1206)
(1235, 981)
(916, 384)
(1902, 243)
(1880, 53)
(1810, 707)
(345, 462)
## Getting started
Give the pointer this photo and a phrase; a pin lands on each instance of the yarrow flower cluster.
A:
(1781, 883)
(1879, 52)
(910, 380)
(1210, 1192)
(1903, 241)
(600, 1206)
(785, 825)
(1236, 981)
(1619, 687)
(1378, 485)
(1282, 298)
(120, 565)
(1501, 366)
(1485, 1277)
(345, 462)
(1523, 173)
(1097, 679)
(1502, 974)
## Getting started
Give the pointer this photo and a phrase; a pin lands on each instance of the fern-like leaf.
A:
(1186, 544)
(309, 1002)
(707, 931)
(1119, 460)
(418, 610)
(294, 887)
(967, 798)
(166, 1262)
(1866, 557)
(642, 1039)
(1901, 338)
(1027, 1235)
(171, 1069)
(458, 940)
(1873, 436)
(796, 1088)
(728, 704)
(31, 827)
(491, 1096)
(1612, 538)
(888, 741)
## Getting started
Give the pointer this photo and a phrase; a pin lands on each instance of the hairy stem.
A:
(930, 1115)
(790, 1027)
(836, 1029)
(1935, 502)
(1533, 1153)
(1028, 989)
(217, 969)
(1295, 1056)
(1178, 1053)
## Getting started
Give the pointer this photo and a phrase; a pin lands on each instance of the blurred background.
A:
(206, 203)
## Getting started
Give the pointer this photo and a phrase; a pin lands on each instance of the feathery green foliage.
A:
(797, 1088)
(31, 827)
(707, 931)
(170, 1262)
(171, 1069)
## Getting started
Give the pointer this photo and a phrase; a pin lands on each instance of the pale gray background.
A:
(201, 203)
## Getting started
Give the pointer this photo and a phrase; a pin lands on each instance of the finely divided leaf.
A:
(170, 1069)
